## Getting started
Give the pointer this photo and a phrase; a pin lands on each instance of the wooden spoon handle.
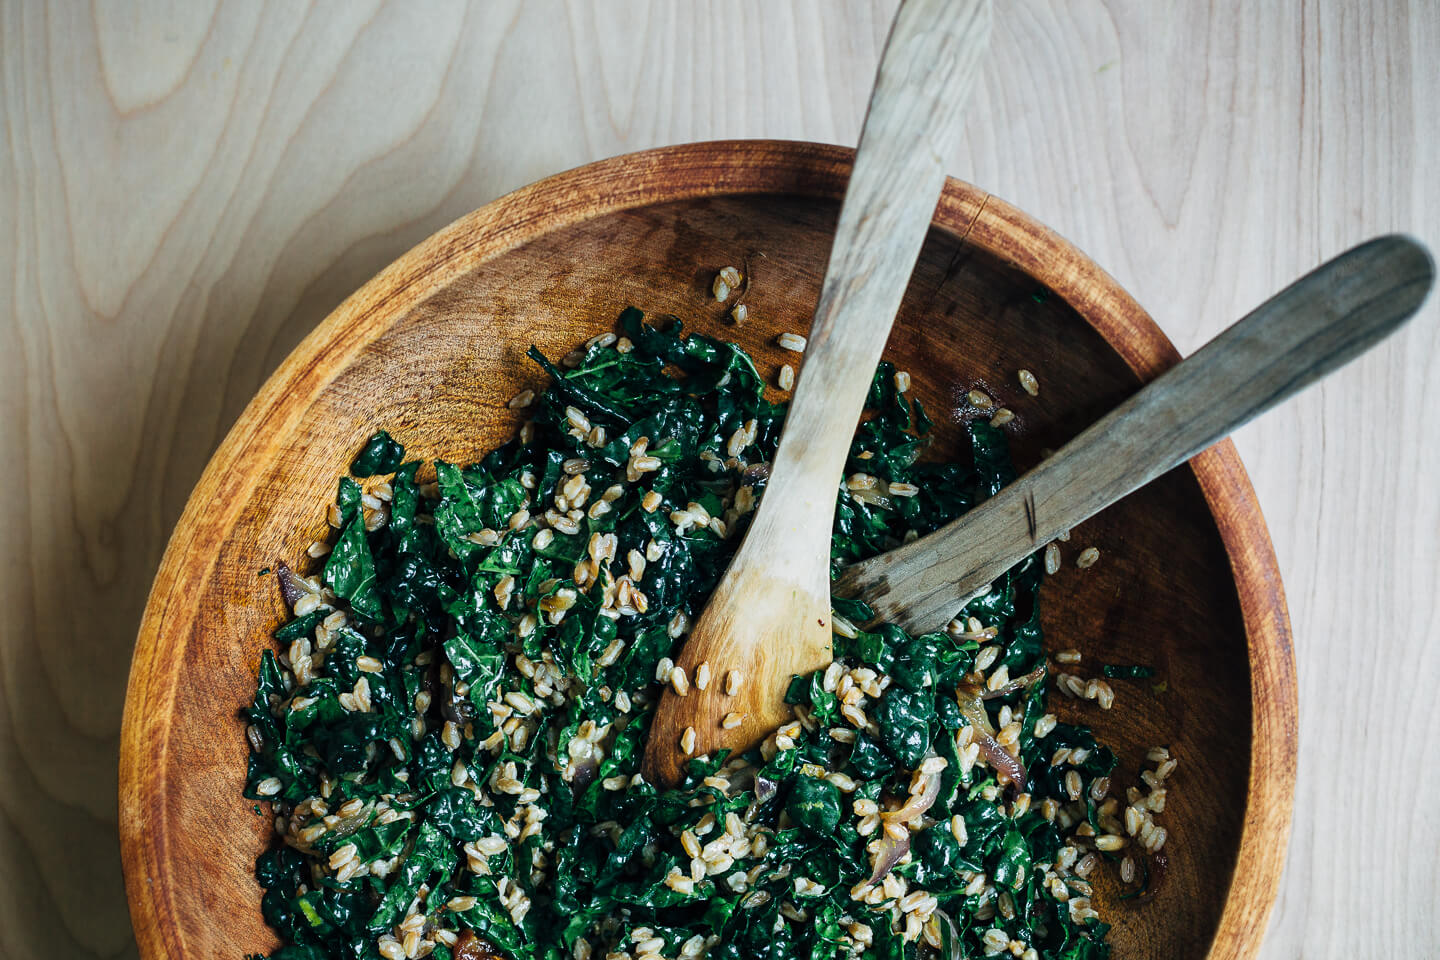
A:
(1317, 324)
(913, 123)
(768, 618)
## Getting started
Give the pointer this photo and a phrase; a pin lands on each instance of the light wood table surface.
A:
(186, 188)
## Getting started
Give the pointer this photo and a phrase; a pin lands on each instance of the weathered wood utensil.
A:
(770, 616)
(1314, 326)
(1311, 328)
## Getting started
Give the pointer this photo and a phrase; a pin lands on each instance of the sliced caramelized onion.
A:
(1008, 767)
(919, 801)
(1019, 683)
(291, 589)
(972, 708)
(470, 947)
(765, 790)
(452, 707)
(742, 780)
(1158, 863)
(891, 850)
(756, 471)
(970, 697)
(886, 856)
(950, 942)
(585, 771)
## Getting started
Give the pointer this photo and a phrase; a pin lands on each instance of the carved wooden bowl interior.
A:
(432, 349)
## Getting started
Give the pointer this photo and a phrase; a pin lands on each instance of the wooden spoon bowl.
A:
(432, 349)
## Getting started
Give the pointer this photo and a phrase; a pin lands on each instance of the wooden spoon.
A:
(769, 618)
(1317, 324)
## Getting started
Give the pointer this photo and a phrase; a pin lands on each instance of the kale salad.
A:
(449, 739)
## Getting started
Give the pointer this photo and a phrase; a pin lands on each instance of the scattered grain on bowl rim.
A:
(1052, 558)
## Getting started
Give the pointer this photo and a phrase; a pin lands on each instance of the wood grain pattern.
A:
(1322, 321)
(186, 189)
(781, 574)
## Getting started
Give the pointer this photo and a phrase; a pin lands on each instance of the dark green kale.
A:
(452, 728)
(381, 454)
(1126, 671)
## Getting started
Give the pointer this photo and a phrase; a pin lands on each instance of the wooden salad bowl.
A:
(433, 348)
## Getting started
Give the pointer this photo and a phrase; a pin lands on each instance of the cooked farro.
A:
(467, 682)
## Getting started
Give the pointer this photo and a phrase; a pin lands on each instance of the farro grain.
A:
(986, 657)
(1052, 558)
(616, 594)
(1104, 695)
(1044, 726)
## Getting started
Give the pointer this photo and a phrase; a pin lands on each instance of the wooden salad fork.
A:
(769, 618)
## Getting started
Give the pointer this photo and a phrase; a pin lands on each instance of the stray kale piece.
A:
(381, 454)
(451, 728)
(350, 571)
(1127, 672)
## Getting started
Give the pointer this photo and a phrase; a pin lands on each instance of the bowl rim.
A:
(667, 174)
